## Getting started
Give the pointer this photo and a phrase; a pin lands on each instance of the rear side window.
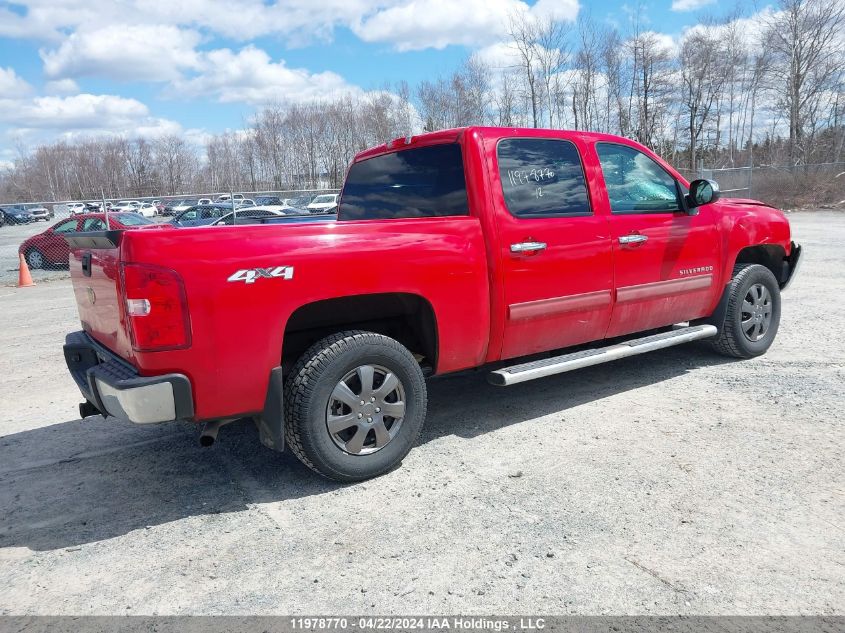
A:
(65, 227)
(542, 178)
(93, 224)
(413, 183)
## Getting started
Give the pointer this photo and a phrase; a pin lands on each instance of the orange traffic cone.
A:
(24, 278)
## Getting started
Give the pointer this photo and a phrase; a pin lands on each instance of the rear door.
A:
(665, 261)
(554, 250)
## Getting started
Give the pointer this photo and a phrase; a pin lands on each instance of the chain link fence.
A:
(815, 185)
(36, 230)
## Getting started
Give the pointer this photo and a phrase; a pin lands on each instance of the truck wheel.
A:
(752, 315)
(355, 403)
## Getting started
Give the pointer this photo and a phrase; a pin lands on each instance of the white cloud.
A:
(61, 87)
(251, 76)
(124, 53)
(11, 85)
(77, 112)
(750, 29)
(421, 24)
(690, 5)
(82, 115)
(49, 20)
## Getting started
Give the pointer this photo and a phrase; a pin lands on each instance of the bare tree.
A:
(805, 37)
(703, 76)
(524, 33)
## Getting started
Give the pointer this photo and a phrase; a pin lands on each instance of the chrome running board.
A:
(586, 358)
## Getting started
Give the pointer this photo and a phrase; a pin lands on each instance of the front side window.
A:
(542, 178)
(413, 183)
(635, 183)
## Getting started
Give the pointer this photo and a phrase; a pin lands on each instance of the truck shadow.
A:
(89, 480)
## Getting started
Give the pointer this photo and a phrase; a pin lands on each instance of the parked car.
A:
(201, 214)
(147, 209)
(49, 249)
(247, 216)
(299, 203)
(205, 201)
(183, 205)
(268, 201)
(39, 212)
(457, 249)
(325, 203)
(126, 205)
(226, 197)
(17, 214)
(75, 208)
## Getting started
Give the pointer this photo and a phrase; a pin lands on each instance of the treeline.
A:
(736, 92)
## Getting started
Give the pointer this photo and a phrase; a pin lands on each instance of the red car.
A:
(458, 249)
(50, 249)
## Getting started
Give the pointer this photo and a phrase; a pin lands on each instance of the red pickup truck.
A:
(467, 248)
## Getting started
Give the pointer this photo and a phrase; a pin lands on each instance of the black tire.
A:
(35, 259)
(310, 386)
(732, 339)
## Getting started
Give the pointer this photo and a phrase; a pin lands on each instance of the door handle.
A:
(634, 238)
(528, 247)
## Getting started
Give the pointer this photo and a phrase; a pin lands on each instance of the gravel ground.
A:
(677, 482)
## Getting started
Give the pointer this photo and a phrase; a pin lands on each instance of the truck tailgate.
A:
(95, 274)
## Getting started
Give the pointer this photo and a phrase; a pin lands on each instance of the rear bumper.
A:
(115, 388)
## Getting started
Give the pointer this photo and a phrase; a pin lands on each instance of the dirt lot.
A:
(677, 482)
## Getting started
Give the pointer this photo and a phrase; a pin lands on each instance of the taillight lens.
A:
(156, 307)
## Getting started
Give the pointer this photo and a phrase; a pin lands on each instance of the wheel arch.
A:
(772, 256)
(409, 318)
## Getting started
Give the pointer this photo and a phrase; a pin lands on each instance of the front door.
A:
(554, 251)
(666, 261)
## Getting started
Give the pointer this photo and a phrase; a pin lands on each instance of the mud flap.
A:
(271, 422)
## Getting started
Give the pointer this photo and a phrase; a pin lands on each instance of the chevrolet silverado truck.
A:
(491, 248)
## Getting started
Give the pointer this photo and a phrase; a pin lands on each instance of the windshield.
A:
(187, 203)
(131, 219)
(324, 199)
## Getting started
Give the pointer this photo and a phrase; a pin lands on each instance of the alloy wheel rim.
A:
(756, 318)
(35, 259)
(366, 410)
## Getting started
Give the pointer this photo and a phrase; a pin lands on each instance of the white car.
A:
(147, 209)
(326, 203)
(226, 197)
(75, 208)
(204, 201)
(126, 205)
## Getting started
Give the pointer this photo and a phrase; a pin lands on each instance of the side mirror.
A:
(703, 192)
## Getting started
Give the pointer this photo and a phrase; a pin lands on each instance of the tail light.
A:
(156, 307)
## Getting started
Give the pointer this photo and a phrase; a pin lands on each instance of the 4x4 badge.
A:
(249, 275)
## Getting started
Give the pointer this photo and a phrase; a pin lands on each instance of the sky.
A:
(76, 68)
